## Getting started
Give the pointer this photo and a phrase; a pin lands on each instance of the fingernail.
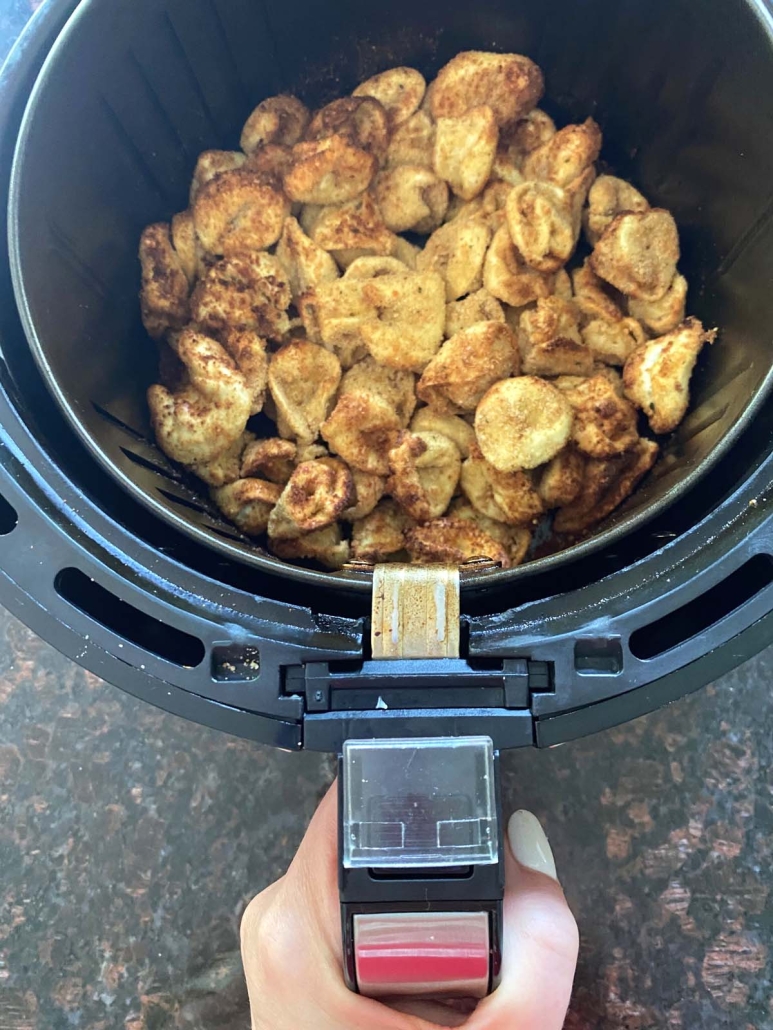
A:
(529, 843)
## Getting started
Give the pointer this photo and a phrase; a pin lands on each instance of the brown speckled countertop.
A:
(130, 842)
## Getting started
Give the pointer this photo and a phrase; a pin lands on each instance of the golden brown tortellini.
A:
(303, 379)
(466, 366)
(638, 253)
(281, 120)
(378, 340)
(657, 374)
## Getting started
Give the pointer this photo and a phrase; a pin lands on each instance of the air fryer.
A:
(115, 558)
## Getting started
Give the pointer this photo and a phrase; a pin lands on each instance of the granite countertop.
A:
(130, 842)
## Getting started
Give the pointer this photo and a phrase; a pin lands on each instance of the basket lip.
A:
(249, 554)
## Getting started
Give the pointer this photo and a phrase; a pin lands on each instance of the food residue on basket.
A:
(414, 323)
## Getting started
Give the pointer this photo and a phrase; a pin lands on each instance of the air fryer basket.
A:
(134, 90)
(562, 648)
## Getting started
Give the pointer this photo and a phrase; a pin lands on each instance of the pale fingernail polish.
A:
(529, 843)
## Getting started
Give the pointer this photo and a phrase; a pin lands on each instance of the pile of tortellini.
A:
(432, 396)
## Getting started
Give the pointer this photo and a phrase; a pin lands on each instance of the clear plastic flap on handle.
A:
(419, 803)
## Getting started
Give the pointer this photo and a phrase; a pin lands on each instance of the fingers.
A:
(313, 878)
(291, 945)
(540, 938)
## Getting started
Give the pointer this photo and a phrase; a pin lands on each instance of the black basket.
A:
(138, 578)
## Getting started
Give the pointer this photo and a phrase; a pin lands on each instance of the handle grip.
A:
(420, 879)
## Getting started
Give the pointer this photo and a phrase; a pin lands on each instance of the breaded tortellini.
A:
(561, 479)
(331, 170)
(657, 375)
(506, 167)
(550, 341)
(249, 352)
(406, 327)
(604, 421)
(368, 491)
(315, 495)
(525, 135)
(400, 91)
(606, 484)
(467, 365)
(353, 230)
(212, 163)
(325, 546)
(465, 148)
(661, 316)
(608, 198)
(592, 296)
(362, 429)
(187, 246)
(281, 120)
(304, 261)
(272, 162)
(272, 459)
(246, 291)
(361, 120)
(423, 473)
(372, 266)
(510, 84)
(613, 342)
(521, 423)
(165, 287)
(543, 224)
(428, 420)
(480, 306)
(413, 142)
(333, 314)
(638, 253)
(394, 386)
(380, 536)
(516, 539)
(456, 251)
(377, 340)
(411, 197)
(398, 318)
(566, 155)
(208, 415)
(406, 252)
(303, 379)
(225, 467)
(239, 211)
(465, 534)
(248, 503)
(488, 206)
(509, 497)
(508, 277)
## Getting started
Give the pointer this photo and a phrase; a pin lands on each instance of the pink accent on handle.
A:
(430, 953)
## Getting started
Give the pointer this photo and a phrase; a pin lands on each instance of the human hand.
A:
(291, 946)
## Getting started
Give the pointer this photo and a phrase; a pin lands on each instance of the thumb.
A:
(540, 938)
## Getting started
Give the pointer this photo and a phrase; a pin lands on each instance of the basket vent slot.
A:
(152, 466)
(120, 617)
(705, 611)
(184, 501)
(8, 517)
(118, 423)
